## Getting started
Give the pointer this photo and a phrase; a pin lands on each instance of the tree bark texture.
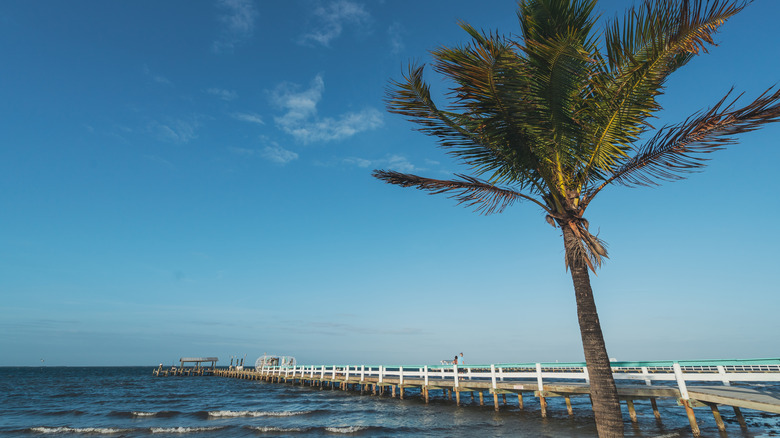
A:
(606, 404)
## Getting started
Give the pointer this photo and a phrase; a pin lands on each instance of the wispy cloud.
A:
(302, 121)
(175, 131)
(226, 95)
(332, 17)
(395, 35)
(273, 153)
(238, 24)
(278, 154)
(249, 117)
(155, 77)
(395, 162)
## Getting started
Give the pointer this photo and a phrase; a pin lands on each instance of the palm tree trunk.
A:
(603, 393)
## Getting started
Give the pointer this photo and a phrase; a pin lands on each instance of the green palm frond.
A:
(556, 116)
(463, 135)
(473, 192)
(653, 41)
(491, 83)
(682, 148)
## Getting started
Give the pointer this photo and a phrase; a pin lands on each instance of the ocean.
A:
(130, 402)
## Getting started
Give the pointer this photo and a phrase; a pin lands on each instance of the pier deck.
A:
(541, 381)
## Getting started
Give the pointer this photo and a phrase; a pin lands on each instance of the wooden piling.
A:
(520, 400)
(655, 409)
(718, 419)
(568, 405)
(495, 401)
(631, 410)
(691, 418)
(740, 418)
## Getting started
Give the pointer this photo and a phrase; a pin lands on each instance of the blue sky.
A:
(193, 178)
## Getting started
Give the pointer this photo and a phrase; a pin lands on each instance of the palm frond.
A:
(682, 148)
(653, 41)
(466, 136)
(473, 192)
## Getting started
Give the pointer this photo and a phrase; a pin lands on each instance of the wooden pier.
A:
(544, 380)
(198, 369)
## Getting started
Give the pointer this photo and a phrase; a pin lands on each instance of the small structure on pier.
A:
(198, 361)
(198, 369)
(273, 360)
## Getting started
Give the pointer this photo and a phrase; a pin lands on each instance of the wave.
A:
(346, 429)
(183, 429)
(93, 430)
(272, 429)
(144, 414)
(232, 414)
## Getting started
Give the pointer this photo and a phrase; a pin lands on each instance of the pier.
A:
(693, 384)
(197, 369)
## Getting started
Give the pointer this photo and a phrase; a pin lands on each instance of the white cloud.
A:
(359, 162)
(249, 117)
(302, 121)
(395, 162)
(395, 35)
(242, 151)
(331, 19)
(279, 154)
(238, 24)
(223, 94)
(175, 131)
(274, 153)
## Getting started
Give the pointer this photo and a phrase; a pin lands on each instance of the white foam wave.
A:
(94, 430)
(279, 429)
(143, 414)
(182, 429)
(345, 429)
(256, 413)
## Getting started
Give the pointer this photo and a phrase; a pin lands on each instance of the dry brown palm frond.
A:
(586, 248)
(473, 192)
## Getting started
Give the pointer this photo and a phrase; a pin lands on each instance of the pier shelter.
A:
(198, 361)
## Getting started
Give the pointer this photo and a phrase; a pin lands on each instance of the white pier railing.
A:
(679, 372)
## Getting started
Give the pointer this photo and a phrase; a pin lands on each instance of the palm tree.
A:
(560, 112)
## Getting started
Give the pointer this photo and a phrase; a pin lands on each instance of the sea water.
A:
(131, 402)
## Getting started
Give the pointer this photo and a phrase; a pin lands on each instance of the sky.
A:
(193, 178)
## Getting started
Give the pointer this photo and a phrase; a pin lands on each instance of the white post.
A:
(425, 371)
(680, 381)
(468, 373)
(539, 376)
(455, 370)
(722, 372)
(501, 373)
(645, 373)
(493, 376)
(381, 373)
(400, 376)
(362, 373)
(322, 372)
(334, 372)
(587, 376)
